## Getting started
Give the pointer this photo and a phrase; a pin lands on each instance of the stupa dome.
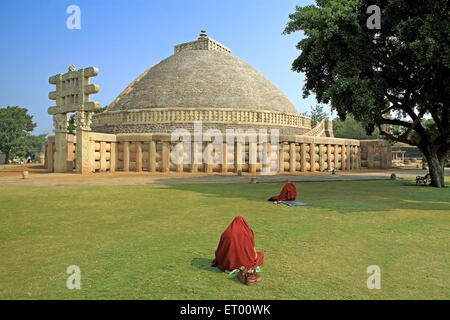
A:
(204, 81)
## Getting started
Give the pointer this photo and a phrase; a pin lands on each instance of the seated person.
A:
(236, 250)
(288, 193)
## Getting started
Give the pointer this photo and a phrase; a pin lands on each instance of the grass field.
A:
(157, 242)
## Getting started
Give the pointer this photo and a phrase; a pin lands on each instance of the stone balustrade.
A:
(206, 115)
(155, 153)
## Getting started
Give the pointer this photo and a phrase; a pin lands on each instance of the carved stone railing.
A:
(323, 128)
(208, 115)
(202, 44)
(160, 152)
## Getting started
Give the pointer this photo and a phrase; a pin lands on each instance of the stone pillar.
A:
(303, 157)
(281, 158)
(312, 156)
(82, 152)
(208, 158)
(180, 165)
(195, 152)
(267, 162)
(336, 157)
(348, 148)
(343, 154)
(329, 156)
(102, 152)
(85, 151)
(358, 157)
(113, 157)
(61, 159)
(252, 156)
(352, 160)
(224, 166)
(91, 156)
(70, 155)
(126, 156)
(238, 156)
(292, 157)
(50, 160)
(152, 156)
(165, 157)
(321, 158)
(138, 156)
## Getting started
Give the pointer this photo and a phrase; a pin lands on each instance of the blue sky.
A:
(125, 38)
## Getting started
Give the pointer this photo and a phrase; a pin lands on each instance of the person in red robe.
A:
(236, 248)
(288, 193)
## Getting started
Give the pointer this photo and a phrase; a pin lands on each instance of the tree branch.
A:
(396, 122)
(401, 138)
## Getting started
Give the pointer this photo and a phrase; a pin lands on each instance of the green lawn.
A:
(157, 242)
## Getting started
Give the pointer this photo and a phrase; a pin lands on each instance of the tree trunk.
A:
(7, 156)
(436, 164)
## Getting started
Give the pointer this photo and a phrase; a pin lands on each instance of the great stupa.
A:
(202, 82)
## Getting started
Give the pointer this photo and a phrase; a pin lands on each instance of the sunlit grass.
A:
(157, 242)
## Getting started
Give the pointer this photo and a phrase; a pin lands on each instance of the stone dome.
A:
(202, 78)
(201, 81)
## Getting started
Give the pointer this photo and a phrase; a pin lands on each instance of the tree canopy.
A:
(31, 145)
(317, 114)
(395, 75)
(352, 129)
(15, 125)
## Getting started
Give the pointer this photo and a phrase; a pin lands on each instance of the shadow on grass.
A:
(412, 183)
(342, 196)
(204, 264)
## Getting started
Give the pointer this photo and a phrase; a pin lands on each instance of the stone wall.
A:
(376, 154)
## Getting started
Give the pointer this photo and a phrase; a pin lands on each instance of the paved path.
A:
(40, 178)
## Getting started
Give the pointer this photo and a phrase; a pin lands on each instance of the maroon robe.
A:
(237, 247)
(289, 192)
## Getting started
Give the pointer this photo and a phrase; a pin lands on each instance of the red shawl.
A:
(289, 192)
(237, 247)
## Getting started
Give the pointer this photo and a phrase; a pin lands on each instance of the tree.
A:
(394, 76)
(351, 129)
(317, 114)
(29, 146)
(15, 124)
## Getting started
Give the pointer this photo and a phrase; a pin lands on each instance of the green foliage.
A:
(71, 126)
(101, 109)
(318, 114)
(352, 129)
(30, 145)
(15, 125)
(394, 76)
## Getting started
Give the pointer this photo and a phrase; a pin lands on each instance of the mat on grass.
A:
(295, 203)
